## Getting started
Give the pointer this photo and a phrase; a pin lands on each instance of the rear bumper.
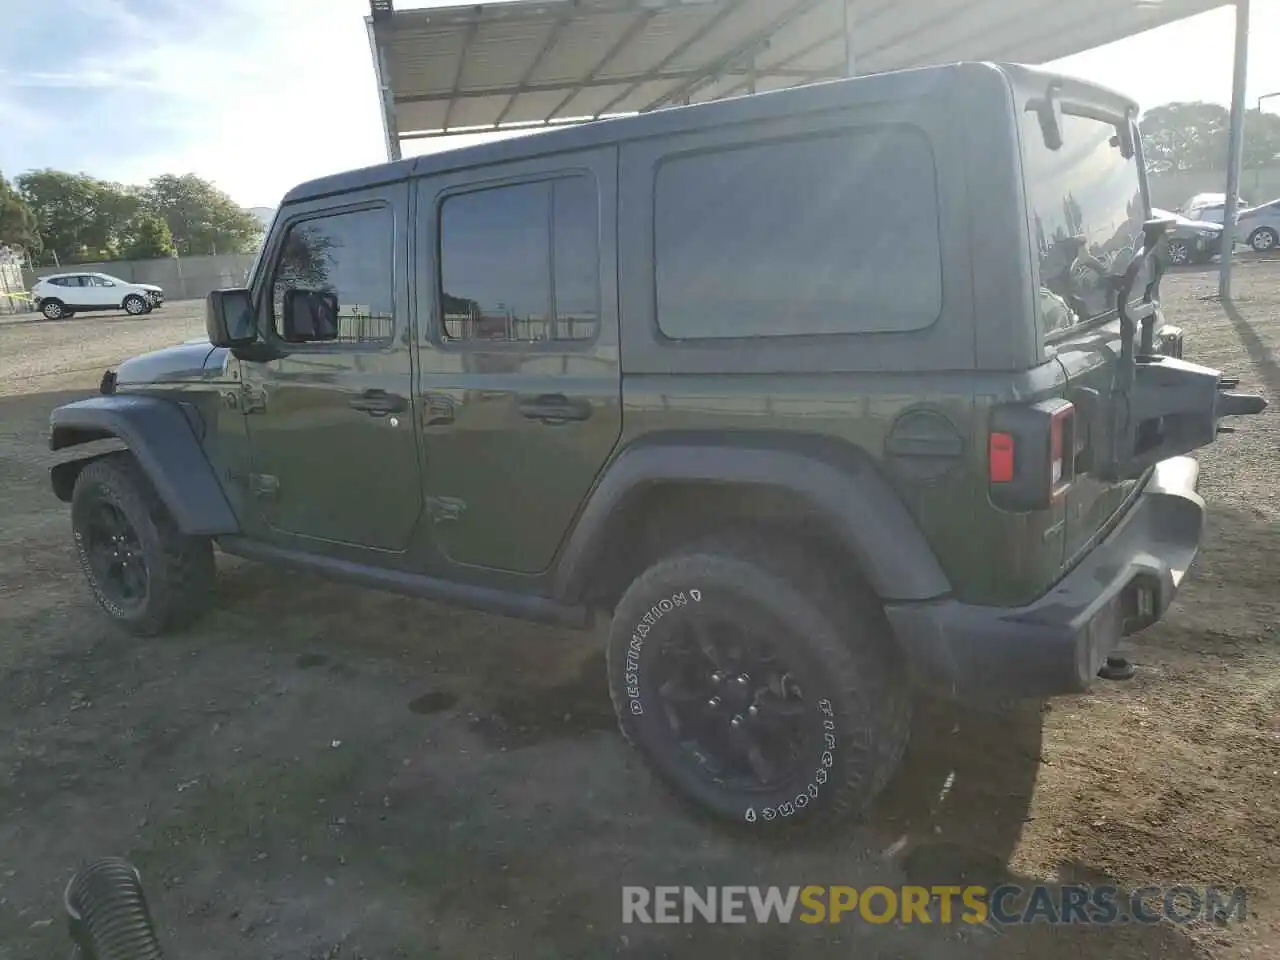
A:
(1057, 644)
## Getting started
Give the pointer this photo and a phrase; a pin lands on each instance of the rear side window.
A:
(822, 235)
(520, 263)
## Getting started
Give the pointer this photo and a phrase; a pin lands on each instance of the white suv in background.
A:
(65, 294)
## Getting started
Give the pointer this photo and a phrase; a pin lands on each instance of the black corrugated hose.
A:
(108, 913)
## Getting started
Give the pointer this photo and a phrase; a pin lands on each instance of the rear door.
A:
(1087, 208)
(78, 291)
(520, 381)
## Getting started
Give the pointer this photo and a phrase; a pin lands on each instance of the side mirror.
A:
(309, 316)
(229, 318)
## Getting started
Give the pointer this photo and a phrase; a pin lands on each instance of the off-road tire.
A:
(135, 305)
(842, 644)
(53, 309)
(180, 569)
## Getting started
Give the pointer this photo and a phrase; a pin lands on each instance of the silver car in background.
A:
(1210, 207)
(1260, 226)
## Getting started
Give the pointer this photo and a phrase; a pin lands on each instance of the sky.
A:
(257, 95)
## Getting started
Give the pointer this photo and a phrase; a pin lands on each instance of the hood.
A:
(150, 286)
(193, 360)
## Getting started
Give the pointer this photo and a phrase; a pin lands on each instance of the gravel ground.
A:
(318, 771)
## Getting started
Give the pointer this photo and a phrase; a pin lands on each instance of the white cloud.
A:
(1187, 60)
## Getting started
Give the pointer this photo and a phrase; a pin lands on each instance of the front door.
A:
(330, 421)
(102, 292)
(520, 382)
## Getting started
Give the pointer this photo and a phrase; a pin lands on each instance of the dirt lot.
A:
(317, 771)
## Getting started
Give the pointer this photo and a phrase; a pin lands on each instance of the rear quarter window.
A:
(832, 234)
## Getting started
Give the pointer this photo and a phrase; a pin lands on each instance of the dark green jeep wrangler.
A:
(820, 395)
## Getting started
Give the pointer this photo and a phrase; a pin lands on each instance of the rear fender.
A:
(839, 483)
(161, 438)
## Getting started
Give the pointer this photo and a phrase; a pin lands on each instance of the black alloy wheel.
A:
(115, 554)
(732, 704)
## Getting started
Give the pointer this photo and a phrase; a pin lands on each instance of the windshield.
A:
(1087, 210)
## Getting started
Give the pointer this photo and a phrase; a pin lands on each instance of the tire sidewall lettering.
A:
(810, 792)
(639, 634)
(807, 793)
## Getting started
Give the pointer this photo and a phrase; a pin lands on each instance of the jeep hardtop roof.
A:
(827, 95)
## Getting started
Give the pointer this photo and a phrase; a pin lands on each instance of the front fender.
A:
(161, 438)
(840, 483)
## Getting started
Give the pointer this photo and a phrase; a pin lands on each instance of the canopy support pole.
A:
(850, 61)
(379, 13)
(1235, 152)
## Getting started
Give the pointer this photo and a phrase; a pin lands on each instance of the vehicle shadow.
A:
(953, 815)
(1260, 353)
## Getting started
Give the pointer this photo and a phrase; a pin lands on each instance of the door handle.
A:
(379, 403)
(554, 408)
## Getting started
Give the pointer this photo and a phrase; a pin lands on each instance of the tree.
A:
(146, 237)
(1194, 137)
(201, 218)
(18, 227)
(1185, 136)
(78, 215)
(1261, 139)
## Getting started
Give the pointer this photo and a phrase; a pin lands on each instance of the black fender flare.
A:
(838, 481)
(161, 438)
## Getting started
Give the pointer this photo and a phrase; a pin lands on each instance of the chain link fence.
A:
(14, 298)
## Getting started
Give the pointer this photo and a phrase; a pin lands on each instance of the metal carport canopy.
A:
(508, 65)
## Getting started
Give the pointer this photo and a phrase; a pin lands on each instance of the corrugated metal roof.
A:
(509, 64)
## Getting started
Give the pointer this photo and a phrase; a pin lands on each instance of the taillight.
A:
(1031, 454)
(1000, 458)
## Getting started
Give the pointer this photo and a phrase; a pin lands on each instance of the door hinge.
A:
(439, 410)
(264, 486)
